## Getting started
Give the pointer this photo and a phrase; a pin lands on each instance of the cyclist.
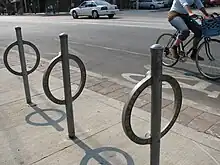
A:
(181, 17)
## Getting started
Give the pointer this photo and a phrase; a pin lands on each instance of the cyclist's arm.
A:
(201, 7)
(188, 9)
(186, 5)
(203, 10)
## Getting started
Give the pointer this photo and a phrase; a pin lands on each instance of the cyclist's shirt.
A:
(178, 7)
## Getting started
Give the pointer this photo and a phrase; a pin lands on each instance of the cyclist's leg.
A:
(196, 29)
(183, 29)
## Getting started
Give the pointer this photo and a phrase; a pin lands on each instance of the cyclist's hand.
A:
(193, 16)
(207, 16)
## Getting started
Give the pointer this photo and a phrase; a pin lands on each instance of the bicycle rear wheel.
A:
(166, 40)
(210, 67)
(135, 93)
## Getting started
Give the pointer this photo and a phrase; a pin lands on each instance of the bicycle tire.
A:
(5, 58)
(166, 48)
(197, 61)
(48, 72)
(127, 110)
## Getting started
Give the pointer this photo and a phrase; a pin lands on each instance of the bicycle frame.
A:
(184, 45)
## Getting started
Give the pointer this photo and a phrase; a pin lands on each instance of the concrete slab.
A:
(187, 132)
(112, 147)
(12, 88)
(26, 136)
(38, 135)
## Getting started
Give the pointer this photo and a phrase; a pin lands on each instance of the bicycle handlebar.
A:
(196, 16)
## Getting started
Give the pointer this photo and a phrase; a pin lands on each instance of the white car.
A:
(94, 9)
(152, 4)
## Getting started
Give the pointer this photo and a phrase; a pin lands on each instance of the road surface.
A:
(118, 48)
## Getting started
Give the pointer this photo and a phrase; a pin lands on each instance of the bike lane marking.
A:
(200, 85)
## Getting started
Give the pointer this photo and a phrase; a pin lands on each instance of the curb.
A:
(45, 14)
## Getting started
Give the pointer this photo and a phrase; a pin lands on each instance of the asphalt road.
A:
(116, 48)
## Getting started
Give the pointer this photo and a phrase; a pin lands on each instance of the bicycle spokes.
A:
(166, 51)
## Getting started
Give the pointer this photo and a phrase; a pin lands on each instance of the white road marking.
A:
(131, 52)
(200, 86)
(128, 76)
(145, 25)
(212, 94)
(108, 48)
(158, 24)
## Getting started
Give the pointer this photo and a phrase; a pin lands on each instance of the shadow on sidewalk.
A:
(49, 120)
(109, 152)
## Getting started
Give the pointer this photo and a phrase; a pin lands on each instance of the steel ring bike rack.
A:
(24, 72)
(5, 57)
(155, 81)
(64, 57)
(49, 70)
(137, 90)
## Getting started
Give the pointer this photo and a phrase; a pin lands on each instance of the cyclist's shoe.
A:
(174, 53)
(193, 56)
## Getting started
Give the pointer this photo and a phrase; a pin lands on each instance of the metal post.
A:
(137, 4)
(23, 64)
(25, 6)
(67, 85)
(37, 7)
(156, 92)
(22, 6)
(121, 4)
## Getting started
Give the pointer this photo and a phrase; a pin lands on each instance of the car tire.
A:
(110, 16)
(74, 15)
(95, 14)
(152, 7)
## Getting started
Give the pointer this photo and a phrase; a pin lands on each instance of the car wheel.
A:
(95, 14)
(110, 16)
(152, 7)
(75, 15)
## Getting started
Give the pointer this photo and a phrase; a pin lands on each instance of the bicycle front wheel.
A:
(166, 40)
(129, 105)
(210, 67)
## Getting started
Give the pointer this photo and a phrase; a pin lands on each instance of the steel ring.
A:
(47, 73)
(5, 57)
(135, 93)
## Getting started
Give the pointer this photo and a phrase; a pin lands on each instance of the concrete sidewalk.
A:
(38, 135)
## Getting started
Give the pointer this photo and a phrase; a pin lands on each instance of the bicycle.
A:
(210, 27)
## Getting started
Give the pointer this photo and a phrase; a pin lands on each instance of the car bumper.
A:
(106, 12)
(160, 5)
